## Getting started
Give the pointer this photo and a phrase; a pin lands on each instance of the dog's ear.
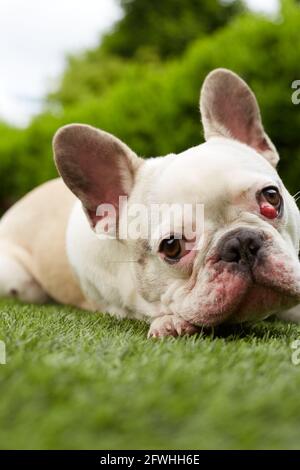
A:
(96, 166)
(229, 109)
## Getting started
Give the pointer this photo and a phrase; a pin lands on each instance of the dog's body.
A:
(245, 268)
(32, 235)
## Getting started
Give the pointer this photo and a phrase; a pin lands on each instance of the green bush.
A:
(166, 27)
(154, 108)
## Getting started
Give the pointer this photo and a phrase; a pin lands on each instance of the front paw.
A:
(170, 325)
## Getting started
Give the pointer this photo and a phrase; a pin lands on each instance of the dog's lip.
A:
(280, 296)
(240, 307)
(238, 314)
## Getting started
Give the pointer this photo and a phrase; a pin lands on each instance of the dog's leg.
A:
(17, 282)
(171, 325)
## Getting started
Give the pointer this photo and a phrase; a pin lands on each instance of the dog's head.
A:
(241, 262)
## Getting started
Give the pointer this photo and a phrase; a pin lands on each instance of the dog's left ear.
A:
(229, 109)
(96, 166)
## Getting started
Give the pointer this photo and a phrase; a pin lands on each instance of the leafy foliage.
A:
(153, 106)
(148, 33)
(166, 28)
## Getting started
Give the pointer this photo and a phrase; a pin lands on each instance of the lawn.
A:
(80, 380)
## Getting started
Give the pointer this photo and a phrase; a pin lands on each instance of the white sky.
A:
(35, 36)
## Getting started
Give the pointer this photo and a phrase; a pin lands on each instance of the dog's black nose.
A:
(241, 245)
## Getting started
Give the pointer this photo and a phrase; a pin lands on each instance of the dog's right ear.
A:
(229, 109)
(95, 165)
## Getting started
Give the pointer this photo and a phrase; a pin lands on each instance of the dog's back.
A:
(33, 259)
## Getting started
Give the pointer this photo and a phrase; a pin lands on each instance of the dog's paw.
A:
(170, 325)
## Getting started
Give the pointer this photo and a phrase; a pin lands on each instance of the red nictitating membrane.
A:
(268, 211)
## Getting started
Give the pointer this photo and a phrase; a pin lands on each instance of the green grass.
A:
(80, 380)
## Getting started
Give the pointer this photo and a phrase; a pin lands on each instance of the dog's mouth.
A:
(225, 293)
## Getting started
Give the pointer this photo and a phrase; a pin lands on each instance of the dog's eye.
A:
(272, 196)
(172, 248)
(270, 202)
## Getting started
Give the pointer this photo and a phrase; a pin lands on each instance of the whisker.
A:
(297, 195)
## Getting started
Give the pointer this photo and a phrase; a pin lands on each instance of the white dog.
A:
(56, 244)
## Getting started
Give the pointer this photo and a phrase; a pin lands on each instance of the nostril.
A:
(251, 244)
(253, 247)
(231, 251)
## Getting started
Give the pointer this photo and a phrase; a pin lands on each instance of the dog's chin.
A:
(236, 294)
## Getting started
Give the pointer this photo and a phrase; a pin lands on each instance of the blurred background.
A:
(135, 68)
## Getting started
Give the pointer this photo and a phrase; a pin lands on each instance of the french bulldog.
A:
(55, 243)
